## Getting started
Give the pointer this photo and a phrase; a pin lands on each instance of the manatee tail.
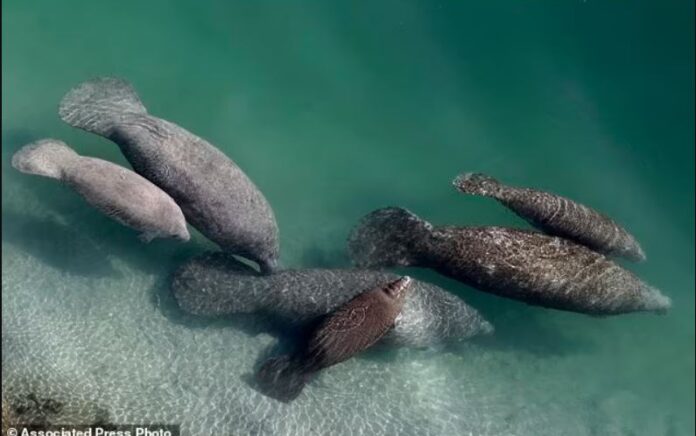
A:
(387, 237)
(282, 378)
(216, 284)
(46, 157)
(477, 184)
(97, 105)
(654, 300)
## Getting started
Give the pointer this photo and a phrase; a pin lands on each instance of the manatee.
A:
(557, 216)
(525, 265)
(216, 285)
(115, 191)
(215, 195)
(350, 329)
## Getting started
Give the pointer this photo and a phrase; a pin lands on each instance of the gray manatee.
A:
(350, 329)
(524, 265)
(215, 195)
(556, 215)
(115, 191)
(216, 285)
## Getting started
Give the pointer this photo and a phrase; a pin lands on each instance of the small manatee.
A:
(557, 216)
(115, 191)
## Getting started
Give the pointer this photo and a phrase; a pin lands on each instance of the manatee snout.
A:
(399, 287)
(269, 265)
(182, 235)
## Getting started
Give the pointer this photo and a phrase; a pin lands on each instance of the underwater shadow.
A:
(56, 244)
(287, 335)
(276, 349)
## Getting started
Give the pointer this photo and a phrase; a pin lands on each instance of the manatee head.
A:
(398, 289)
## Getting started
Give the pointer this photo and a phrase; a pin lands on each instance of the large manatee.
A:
(524, 265)
(215, 195)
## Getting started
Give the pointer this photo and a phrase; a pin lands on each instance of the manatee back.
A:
(216, 195)
(127, 197)
(352, 328)
(561, 216)
(541, 270)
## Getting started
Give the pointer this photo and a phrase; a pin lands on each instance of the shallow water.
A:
(335, 110)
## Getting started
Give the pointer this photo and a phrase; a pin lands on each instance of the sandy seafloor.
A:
(335, 110)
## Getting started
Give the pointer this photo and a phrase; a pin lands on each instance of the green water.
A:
(335, 109)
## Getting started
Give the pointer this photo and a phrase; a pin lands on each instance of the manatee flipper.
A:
(386, 237)
(282, 378)
(654, 300)
(47, 157)
(147, 237)
(477, 184)
(97, 105)
(216, 261)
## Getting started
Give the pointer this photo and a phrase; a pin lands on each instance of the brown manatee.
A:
(556, 215)
(352, 328)
(215, 195)
(524, 265)
(115, 191)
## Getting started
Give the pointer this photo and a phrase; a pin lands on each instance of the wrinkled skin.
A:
(216, 285)
(215, 195)
(524, 265)
(558, 216)
(350, 329)
(117, 192)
